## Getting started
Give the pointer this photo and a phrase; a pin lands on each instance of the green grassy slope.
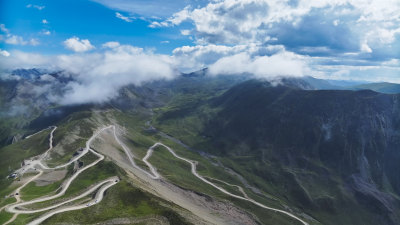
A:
(302, 146)
(13, 155)
(178, 172)
(121, 201)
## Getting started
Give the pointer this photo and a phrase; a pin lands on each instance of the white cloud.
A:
(101, 75)
(164, 42)
(382, 35)
(4, 53)
(176, 19)
(46, 32)
(363, 73)
(149, 8)
(19, 59)
(260, 21)
(392, 62)
(111, 44)
(18, 40)
(185, 32)
(280, 64)
(156, 24)
(77, 45)
(15, 39)
(122, 17)
(340, 31)
(39, 7)
(191, 58)
(4, 29)
(34, 42)
(336, 22)
(44, 21)
(180, 16)
(365, 47)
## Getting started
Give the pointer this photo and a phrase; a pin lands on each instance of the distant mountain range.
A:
(311, 83)
(383, 87)
(306, 82)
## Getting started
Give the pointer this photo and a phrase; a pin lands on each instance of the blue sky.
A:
(85, 19)
(333, 39)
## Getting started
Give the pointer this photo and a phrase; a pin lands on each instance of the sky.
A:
(135, 41)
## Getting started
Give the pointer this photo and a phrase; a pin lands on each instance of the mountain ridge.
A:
(345, 135)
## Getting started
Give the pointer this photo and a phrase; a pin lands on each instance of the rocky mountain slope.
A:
(333, 153)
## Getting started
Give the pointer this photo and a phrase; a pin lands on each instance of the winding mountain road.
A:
(37, 132)
(111, 180)
(232, 185)
(156, 175)
(65, 187)
(104, 185)
(99, 196)
(130, 158)
(84, 151)
(194, 172)
(18, 196)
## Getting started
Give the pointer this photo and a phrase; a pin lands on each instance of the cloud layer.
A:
(338, 39)
(370, 28)
(100, 76)
(280, 64)
(347, 37)
(97, 77)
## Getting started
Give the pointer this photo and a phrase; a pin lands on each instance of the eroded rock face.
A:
(368, 192)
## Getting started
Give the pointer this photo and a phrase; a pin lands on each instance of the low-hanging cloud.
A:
(261, 61)
(100, 76)
(97, 77)
(280, 64)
